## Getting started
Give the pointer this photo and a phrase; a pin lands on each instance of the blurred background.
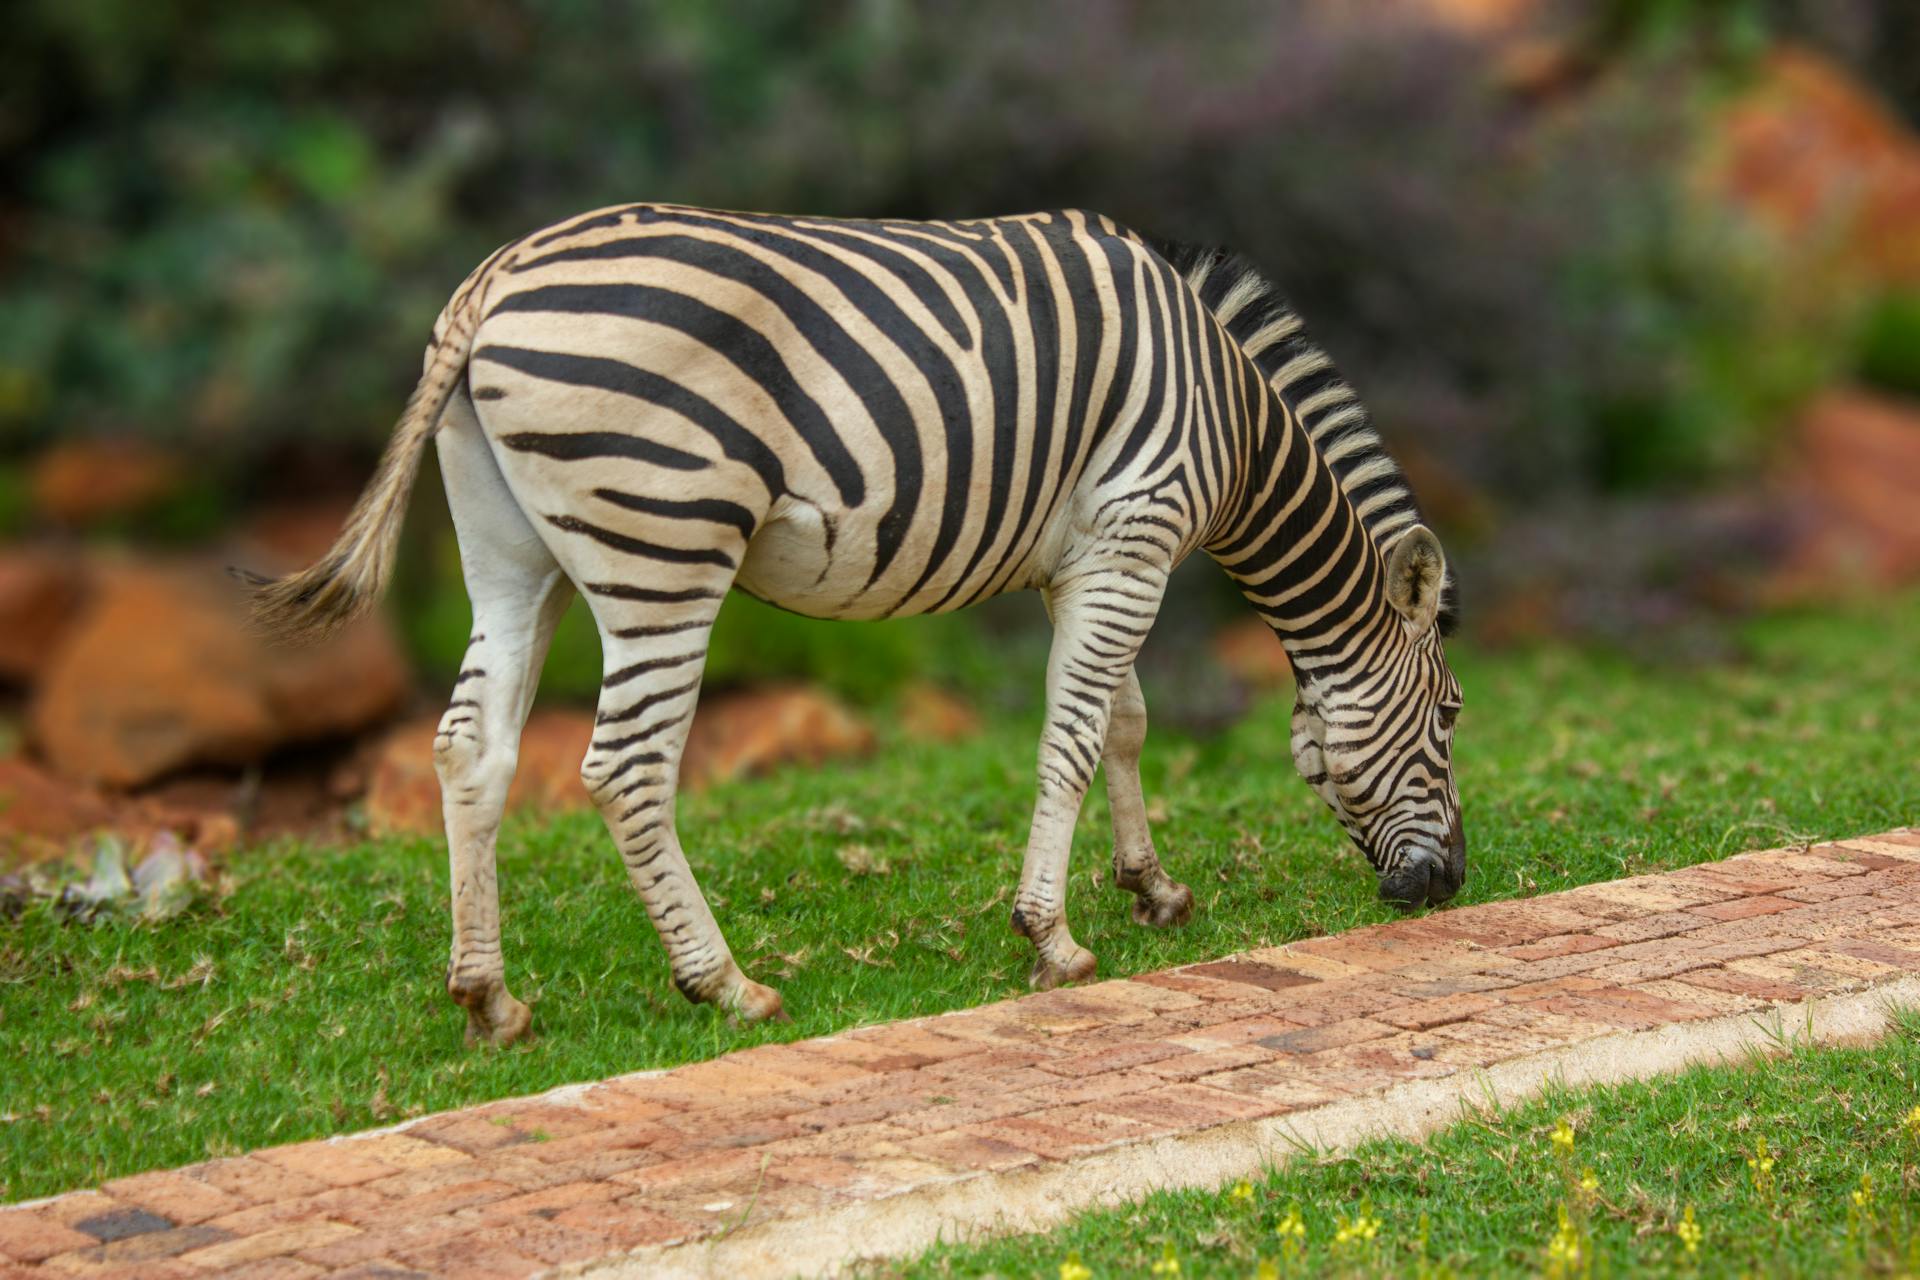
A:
(1632, 288)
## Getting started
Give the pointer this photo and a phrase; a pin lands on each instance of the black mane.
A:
(1272, 333)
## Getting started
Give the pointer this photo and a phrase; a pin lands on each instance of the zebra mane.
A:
(1272, 333)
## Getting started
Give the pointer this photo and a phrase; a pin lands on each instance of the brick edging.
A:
(788, 1158)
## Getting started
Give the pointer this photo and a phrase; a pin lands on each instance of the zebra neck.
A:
(1300, 553)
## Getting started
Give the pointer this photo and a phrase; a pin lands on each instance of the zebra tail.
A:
(351, 577)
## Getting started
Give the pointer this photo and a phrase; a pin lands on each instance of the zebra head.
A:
(1377, 744)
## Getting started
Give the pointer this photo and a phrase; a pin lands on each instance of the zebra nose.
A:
(1419, 880)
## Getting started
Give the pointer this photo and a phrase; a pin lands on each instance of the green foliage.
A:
(306, 997)
(1890, 347)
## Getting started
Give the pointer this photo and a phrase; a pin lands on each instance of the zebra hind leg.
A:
(1160, 901)
(518, 593)
(655, 644)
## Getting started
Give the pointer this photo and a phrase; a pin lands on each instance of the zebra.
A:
(655, 404)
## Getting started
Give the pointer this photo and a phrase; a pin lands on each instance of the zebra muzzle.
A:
(1421, 879)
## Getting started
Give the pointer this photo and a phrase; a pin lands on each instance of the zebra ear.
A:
(1416, 576)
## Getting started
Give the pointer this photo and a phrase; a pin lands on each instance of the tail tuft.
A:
(351, 577)
(311, 604)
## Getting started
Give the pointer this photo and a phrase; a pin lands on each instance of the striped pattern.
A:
(864, 419)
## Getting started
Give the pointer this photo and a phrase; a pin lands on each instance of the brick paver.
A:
(819, 1133)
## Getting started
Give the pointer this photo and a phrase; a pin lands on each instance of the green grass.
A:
(1490, 1188)
(306, 998)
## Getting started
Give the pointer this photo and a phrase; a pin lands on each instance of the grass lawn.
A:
(307, 999)
(1491, 1188)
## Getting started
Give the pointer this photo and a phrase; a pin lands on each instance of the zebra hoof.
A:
(1169, 909)
(752, 1002)
(1077, 967)
(499, 1022)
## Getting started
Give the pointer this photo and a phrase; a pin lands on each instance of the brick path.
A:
(787, 1158)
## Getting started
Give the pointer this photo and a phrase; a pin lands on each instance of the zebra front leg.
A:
(1098, 628)
(632, 768)
(518, 593)
(1159, 900)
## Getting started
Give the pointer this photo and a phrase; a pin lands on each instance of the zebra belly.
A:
(819, 563)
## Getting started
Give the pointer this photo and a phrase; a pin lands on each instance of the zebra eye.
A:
(1447, 714)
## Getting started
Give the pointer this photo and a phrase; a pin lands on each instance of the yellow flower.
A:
(1760, 1167)
(1291, 1227)
(1357, 1230)
(1690, 1232)
(1912, 1123)
(1563, 1251)
(1563, 1137)
(1169, 1264)
(1589, 1181)
(1242, 1191)
(1267, 1270)
(1863, 1194)
(1074, 1269)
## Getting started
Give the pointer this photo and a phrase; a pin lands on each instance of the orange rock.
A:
(1850, 487)
(929, 713)
(733, 735)
(1251, 653)
(40, 592)
(83, 482)
(159, 673)
(42, 814)
(747, 731)
(1816, 156)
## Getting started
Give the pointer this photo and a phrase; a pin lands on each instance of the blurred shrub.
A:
(231, 226)
(235, 223)
(1890, 346)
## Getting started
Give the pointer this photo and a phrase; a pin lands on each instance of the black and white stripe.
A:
(862, 419)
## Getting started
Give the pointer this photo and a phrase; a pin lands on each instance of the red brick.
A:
(1118, 1057)
(554, 1201)
(1563, 944)
(799, 1067)
(1066, 1093)
(1433, 1013)
(553, 1244)
(472, 1259)
(1286, 1082)
(1745, 908)
(915, 1038)
(272, 1243)
(627, 1225)
(1330, 1036)
(338, 1164)
(343, 1203)
(1192, 1106)
(173, 1194)
(282, 1268)
(1879, 953)
(1250, 973)
(252, 1180)
(1629, 972)
(1193, 1066)
(364, 1247)
(1665, 924)
(1227, 1034)
(28, 1235)
(1746, 985)
(971, 1148)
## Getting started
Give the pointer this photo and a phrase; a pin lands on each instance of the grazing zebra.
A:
(653, 405)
